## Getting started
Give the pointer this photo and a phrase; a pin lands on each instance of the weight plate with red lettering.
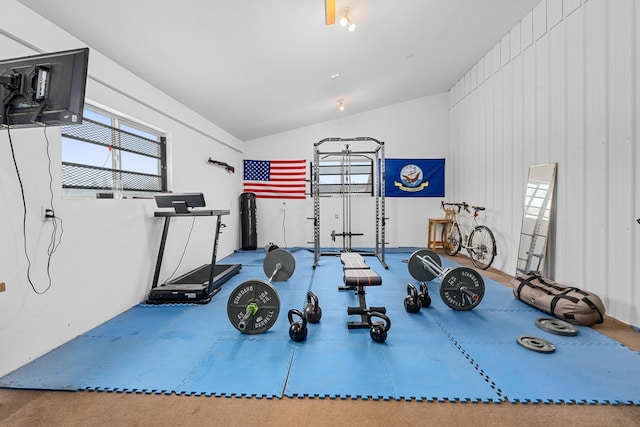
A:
(462, 288)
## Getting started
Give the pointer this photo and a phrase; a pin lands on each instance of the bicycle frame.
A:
(465, 227)
(464, 232)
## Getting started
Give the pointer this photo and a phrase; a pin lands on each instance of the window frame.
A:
(348, 172)
(115, 174)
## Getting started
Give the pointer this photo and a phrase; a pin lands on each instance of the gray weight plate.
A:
(264, 296)
(556, 326)
(286, 261)
(418, 270)
(462, 288)
(536, 344)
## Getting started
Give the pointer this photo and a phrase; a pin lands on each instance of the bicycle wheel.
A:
(451, 239)
(482, 247)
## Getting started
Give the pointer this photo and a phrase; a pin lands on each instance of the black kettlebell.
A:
(270, 247)
(412, 301)
(297, 330)
(312, 310)
(424, 296)
(379, 329)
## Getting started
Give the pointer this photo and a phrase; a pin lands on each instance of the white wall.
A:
(106, 260)
(561, 87)
(413, 129)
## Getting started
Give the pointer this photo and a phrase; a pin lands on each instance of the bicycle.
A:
(478, 239)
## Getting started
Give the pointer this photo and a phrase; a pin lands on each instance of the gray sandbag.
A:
(567, 303)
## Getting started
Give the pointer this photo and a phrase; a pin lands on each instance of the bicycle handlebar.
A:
(462, 205)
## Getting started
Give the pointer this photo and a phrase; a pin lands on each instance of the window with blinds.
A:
(109, 155)
(338, 177)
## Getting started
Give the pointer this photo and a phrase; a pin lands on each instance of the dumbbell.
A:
(254, 305)
(461, 288)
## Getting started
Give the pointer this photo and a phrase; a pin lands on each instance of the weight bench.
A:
(357, 276)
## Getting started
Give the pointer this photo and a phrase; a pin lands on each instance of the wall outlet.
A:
(47, 214)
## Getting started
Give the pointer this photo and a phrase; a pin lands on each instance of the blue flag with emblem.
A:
(414, 178)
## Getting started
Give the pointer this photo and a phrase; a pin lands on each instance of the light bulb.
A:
(352, 26)
(344, 21)
(341, 108)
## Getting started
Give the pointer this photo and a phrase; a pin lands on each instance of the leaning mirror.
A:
(536, 218)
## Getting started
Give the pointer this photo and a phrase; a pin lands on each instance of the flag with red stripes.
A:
(275, 179)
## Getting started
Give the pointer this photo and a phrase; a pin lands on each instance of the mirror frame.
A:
(536, 218)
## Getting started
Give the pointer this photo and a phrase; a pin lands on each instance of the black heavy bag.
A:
(567, 303)
(248, 221)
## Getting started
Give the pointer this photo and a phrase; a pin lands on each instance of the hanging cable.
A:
(193, 221)
(24, 215)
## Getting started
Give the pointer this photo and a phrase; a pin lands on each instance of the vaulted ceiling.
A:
(259, 67)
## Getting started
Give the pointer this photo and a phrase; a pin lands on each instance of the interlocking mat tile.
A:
(437, 354)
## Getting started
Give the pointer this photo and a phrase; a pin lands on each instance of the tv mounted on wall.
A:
(46, 89)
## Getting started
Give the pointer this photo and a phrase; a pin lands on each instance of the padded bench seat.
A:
(361, 277)
(352, 260)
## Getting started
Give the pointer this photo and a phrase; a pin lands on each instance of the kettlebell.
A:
(270, 247)
(424, 296)
(412, 301)
(378, 329)
(297, 330)
(312, 310)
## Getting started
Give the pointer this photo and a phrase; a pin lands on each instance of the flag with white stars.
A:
(275, 179)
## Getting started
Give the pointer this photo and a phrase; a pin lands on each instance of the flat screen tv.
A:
(46, 89)
(181, 202)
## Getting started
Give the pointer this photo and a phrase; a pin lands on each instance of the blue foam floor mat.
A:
(437, 354)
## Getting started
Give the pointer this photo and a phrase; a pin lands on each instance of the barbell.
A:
(254, 305)
(461, 288)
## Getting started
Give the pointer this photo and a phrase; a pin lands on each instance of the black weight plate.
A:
(286, 261)
(261, 293)
(418, 269)
(462, 288)
(556, 326)
(536, 344)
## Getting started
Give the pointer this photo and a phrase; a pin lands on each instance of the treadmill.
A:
(201, 284)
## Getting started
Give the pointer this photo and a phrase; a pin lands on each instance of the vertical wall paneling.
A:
(596, 222)
(481, 74)
(520, 170)
(568, 6)
(485, 190)
(505, 182)
(635, 287)
(505, 50)
(569, 93)
(474, 77)
(526, 30)
(529, 113)
(620, 26)
(515, 41)
(495, 59)
(540, 20)
(572, 171)
(542, 100)
(554, 13)
(557, 139)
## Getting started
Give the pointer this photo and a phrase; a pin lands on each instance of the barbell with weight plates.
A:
(254, 305)
(461, 288)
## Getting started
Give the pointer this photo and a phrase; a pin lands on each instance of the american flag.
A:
(275, 179)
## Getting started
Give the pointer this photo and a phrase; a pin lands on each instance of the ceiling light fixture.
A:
(340, 104)
(345, 21)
